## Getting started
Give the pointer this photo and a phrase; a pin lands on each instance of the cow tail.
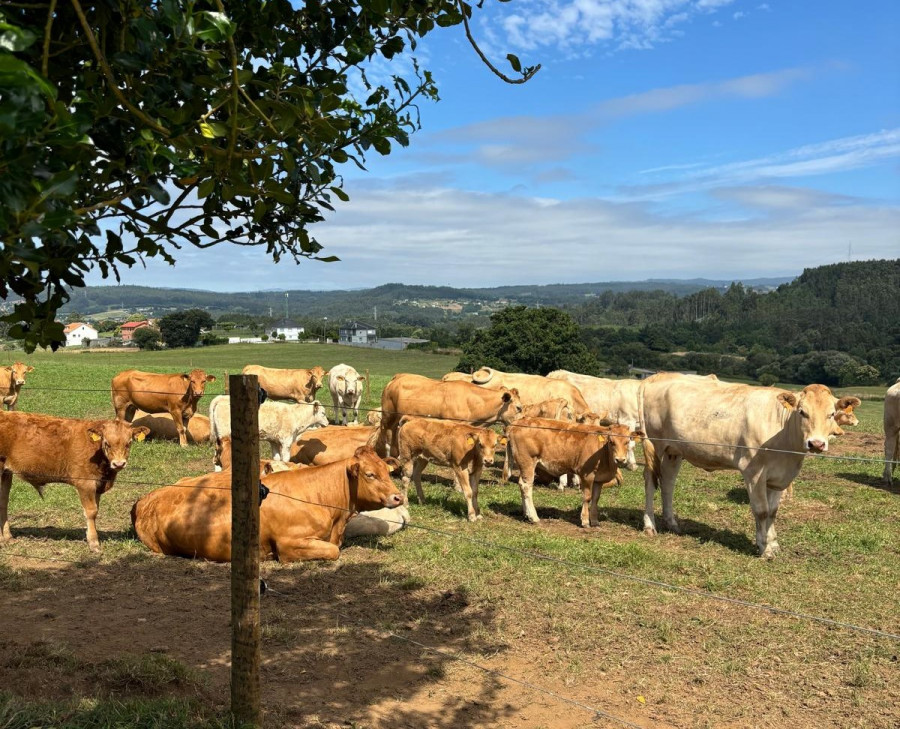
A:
(651, 457)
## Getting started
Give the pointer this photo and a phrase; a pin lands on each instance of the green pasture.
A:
(694, 661)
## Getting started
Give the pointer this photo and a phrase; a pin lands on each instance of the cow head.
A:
(620, 440)
(510, 405)
(114, 440)
(845, 416)
(485, 440)
(17, 373)
(320, 418)
(195, 382)
(316, 377)
(370, 478)
(350, 383)
(813, 414)
(590, 418)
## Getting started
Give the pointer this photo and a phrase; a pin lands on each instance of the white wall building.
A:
(291, 330)
(76, 333)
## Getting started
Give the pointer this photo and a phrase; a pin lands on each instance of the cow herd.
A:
(327, 482)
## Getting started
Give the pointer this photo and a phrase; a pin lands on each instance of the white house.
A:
(76, 333)
(291, 330)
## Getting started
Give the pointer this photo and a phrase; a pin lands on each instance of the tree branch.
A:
(107, 71)
(45, 56)
(484, 58)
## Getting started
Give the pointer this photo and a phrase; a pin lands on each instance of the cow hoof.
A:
(771, 551)
(95, 547)
(673, 527)
(560, 487)
(649, 531)
(532, 519)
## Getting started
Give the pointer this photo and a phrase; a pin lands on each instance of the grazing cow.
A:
(762, 432)
(280, 423)
(346, 385)
(409, 394)
(583, 452)
(532, 388)
(891, 432)
(177, 395)
(162, 428)
(303, 517)
(334, 443)
(464, 448)
(12, 377)
(86, 454)
(298, 385)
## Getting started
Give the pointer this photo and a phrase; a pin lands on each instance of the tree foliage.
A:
(533, 341)
(129, 129)
(182, 328)
(147, 338)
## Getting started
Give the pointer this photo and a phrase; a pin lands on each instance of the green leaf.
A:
(13, 38)
(340, 194)
(215, 27)
(514, 62)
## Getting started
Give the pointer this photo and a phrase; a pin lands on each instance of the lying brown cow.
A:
(86, 454)
(593, 457)
(302, 518)
(12, 377)
(298, 385)
(464, 448)
(332, 443)
(162, 427)
(177, 395)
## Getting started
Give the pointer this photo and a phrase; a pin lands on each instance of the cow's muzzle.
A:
(117, 465)
(393, 501)
(814, 445)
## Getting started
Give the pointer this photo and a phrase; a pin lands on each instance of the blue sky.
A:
(661, 139)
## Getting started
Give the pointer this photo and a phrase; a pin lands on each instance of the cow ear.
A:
(186, 377)
(848, 403)
(29, 368)
(637, 433)
(139, 433)
(94, 435)
(267, 469)
(8, 368)
(210, 378)
(788, 400)
(471, 438)
(506, 397)
(392, 462)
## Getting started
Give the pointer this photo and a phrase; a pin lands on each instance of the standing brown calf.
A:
(86, 454)
(591, 456)
(177, 395)
(464, 448)
(12, 377)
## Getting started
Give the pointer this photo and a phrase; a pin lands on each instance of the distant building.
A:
(130, 327)
(357, 333)
(290, 329)
(77, 332)
(398, 342)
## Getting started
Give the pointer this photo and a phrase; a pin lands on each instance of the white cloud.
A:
(574, 25)
(739, 14)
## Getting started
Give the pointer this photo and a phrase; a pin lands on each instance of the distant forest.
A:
(836, 324)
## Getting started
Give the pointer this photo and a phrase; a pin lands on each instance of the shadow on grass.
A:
(873, 481)
(323, 626)
(72, 534)
(738, 495)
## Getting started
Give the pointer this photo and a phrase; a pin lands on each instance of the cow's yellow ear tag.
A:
(470, 441)
(849, 409)
(139, 437)
(95, 436)
(601, 440)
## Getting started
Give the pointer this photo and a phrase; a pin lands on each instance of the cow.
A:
(593, 456)
(86, 454)
(556, 409)
(373, 417)
(333, 443)
(346, 385)
(162, 427)
(464, 448)
(532, 388)
(378, 523)
(12, 377)
(280, 423)
(299, 385)
(177, 395)
(303, 517)
(408, 394)
(891, 432)
(762, 432)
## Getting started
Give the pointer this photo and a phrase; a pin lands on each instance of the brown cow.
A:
(593, 457)
(12, 377)
(332, 443)
(177, 395)
(163, 428)
(86, 454)
(555, 408)
(298, 385)
(464, 448)
(533, 388)
(302, 518)
(409, 394)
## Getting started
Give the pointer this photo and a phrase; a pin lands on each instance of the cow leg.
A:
(669, 466)
(180, 426)
(630, 460)
(462, 478)
(759, 504)
(296, 550)
(90, 502)
(891, 453)
(474, 480)
(5, 486)
(563, 482)
(526, 488)
(649, 495)
(590, 495)
(419, 465)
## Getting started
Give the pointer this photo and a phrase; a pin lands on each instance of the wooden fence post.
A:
(244, 401)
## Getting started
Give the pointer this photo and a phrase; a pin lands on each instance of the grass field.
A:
(128, 639)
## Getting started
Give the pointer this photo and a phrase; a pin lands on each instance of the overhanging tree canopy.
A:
(131, 128)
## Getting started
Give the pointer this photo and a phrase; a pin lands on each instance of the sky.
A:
(722, 139)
